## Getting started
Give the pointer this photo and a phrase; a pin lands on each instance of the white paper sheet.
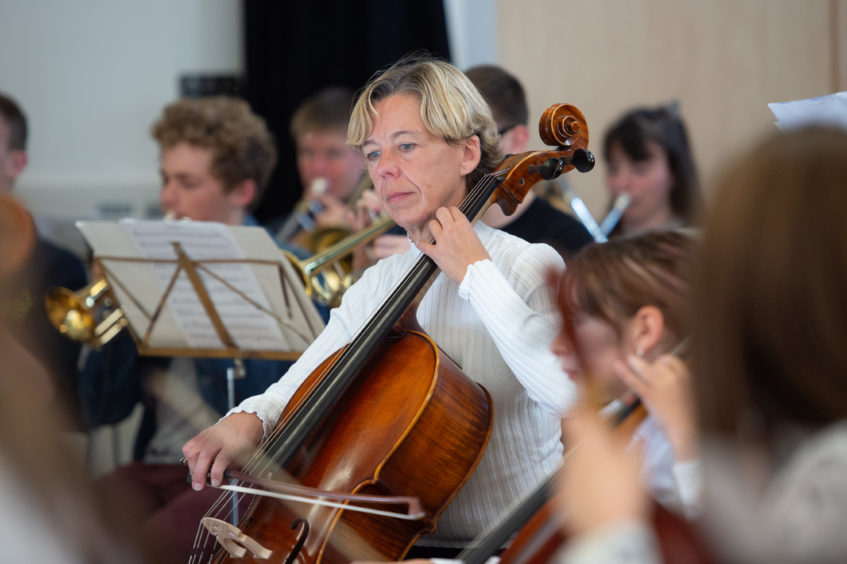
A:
(201, 240)
(291, 324)
(828, 110)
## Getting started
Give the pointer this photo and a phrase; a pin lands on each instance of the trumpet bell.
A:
(69, 314)
(87, 315)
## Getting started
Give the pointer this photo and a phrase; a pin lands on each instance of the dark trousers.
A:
(159, 499)
(429, 552)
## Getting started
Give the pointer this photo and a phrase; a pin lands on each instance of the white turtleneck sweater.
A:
(498, 326)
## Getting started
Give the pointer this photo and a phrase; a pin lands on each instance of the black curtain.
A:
(295, 48)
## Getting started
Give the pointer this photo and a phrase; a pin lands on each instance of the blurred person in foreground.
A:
(46, 267)
(49, 512)
(626, 305)
(768, 361)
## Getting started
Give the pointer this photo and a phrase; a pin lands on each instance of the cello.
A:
(535, 525)
(433, 423)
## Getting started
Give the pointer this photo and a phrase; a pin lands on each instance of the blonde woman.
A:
(428, 137)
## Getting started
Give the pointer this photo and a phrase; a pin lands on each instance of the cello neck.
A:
(493, 538)
(625, 419)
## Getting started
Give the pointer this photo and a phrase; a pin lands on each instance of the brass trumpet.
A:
(90, 315)
(301, 228)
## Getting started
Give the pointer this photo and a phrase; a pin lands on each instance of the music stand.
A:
(204, 289)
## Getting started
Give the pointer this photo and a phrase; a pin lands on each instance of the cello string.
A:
(203, 538)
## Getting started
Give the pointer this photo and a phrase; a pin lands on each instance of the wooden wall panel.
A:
(722, 60)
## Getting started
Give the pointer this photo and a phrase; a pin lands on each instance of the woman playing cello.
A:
(428, 136)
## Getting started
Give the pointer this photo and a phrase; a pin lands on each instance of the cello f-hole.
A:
(301, 539)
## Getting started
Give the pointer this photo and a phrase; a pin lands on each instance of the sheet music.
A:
(825, 110)
(248, 326)
(124, 249)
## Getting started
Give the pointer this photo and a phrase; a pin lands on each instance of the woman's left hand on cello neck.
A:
(455, 245)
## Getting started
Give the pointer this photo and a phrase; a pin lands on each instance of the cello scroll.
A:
(562, 126)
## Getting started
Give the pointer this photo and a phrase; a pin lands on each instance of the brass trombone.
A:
(90, 315)
(324, 285)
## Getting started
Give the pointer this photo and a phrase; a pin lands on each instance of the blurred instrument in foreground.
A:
(89, 315)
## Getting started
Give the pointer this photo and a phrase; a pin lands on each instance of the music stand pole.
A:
(236, 371)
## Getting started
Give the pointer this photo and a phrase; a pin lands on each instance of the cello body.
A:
(544, 534)
(397, 451)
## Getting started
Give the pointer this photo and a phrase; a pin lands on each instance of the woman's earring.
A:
(639, 352)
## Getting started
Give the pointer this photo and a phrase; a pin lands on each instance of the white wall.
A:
(92, 75)
(472, 32)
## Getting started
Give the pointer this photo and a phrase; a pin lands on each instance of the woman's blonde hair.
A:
(451, 107)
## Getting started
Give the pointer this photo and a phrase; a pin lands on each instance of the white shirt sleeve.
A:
(521, 332)
(630, 542)
(688, 476)
(344, 322)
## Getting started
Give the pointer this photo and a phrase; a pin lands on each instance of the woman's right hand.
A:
(600, 481)
(366, 210)
(664, 386)
(226, 443)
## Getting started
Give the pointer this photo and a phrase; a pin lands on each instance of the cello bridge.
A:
(233, 539)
